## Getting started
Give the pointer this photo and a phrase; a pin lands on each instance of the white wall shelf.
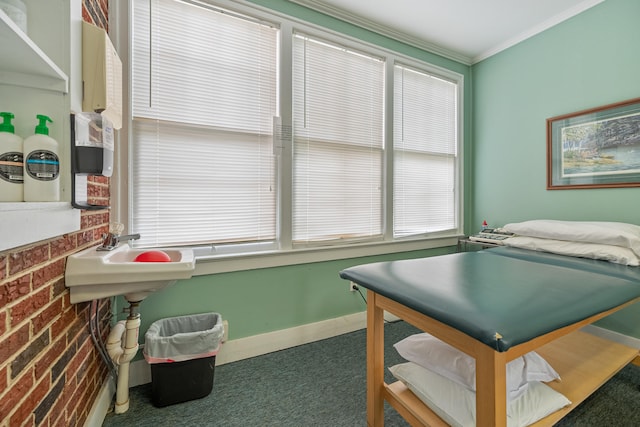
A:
(24, 63)
(34, 82)
(25, 223)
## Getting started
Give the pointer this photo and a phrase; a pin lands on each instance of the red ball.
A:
(152, 256)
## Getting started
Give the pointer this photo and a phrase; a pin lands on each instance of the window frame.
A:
(211, 259)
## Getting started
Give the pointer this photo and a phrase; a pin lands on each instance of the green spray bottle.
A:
(11, 165)
(41, 165)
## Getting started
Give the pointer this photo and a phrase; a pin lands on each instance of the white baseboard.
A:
(256, 345)
(102, 404)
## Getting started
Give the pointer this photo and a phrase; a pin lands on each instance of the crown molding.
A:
(383, 30)
(408, 39)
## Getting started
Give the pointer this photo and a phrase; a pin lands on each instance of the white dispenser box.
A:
(101, 75)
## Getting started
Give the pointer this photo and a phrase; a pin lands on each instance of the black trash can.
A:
(182, 354)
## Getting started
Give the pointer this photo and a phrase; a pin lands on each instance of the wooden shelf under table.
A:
(584, 361)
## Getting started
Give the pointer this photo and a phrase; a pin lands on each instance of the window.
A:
(425, 152)
(367, 150)
(338, 142)
(204, 97)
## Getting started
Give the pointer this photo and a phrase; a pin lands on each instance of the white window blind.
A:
(425, 151)
(204, 93)
(338, 130)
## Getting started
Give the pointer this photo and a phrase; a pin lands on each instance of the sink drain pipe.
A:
(122, 346)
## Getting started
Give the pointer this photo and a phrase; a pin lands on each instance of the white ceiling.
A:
(464, 30)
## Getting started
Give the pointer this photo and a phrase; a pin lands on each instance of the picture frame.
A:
(595, 148)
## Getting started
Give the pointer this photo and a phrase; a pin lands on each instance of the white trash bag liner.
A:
(176, 339)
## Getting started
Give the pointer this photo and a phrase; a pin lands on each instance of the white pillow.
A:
(606, 233)
(456, 405)
(616, 254)
(429, 352)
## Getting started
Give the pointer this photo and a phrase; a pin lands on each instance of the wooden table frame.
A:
(584, 363)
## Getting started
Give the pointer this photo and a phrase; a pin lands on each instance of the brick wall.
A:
(50, 371)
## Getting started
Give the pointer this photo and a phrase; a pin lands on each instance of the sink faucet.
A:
(111, 240)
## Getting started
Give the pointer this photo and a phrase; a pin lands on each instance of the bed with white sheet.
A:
(498, 306)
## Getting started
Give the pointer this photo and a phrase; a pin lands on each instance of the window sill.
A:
(206, 265)
(28, 222)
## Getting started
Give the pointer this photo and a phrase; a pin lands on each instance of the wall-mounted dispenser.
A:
(92, 132)
(101, 75)
(92, 147)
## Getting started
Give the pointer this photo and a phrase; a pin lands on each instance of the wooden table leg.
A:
(491, 387)
(375, 362)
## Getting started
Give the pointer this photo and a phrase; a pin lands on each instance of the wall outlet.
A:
(225, 324)
(353, 287)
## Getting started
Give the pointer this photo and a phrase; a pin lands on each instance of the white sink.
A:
(91, 274)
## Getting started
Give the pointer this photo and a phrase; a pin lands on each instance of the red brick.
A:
(85, 15)
(75, 405)
(48, 272)
(83, 399)
(104, 5)
(3, 322)
(79, 358)
(23, 260)
(59, 419)
(60, 325)
(78, 331)
(15, 289)
(84, 237)
(22, 418)
(59, 291)
(99, 191)
(92, 219)
(25, 410)
(63, 245)
(66, 301)
(14, 395)
(104, 311)
(63, 402)
(72, 420)
(96, 368)
(99, 232)
(3, 381)
(46, 316)
(24, 359)
(43, 409)
(3, 267)
(39, 278)
(43, 365)
(99, 179)
(9, 345)
(26, 308)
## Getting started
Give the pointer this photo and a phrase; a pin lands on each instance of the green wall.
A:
(269, 299)
(587, 61)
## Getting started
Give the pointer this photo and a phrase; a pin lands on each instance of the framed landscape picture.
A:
(595, 148)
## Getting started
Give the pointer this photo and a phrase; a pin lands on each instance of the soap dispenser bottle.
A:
(11, 166)
(41, 165)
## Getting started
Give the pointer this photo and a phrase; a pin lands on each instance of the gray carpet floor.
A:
(323, 384)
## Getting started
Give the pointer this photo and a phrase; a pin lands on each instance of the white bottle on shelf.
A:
(41, 165)
(11, 165)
